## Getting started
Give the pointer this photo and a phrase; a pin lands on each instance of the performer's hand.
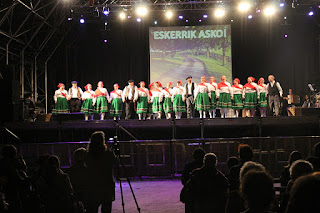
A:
(93, 104)
(231, 98)
(109, 102)
(266, 96)
(123, 101)
(217, 97)
(281, 96)
(55, 102)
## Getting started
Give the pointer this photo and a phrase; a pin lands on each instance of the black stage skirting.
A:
(60, 131)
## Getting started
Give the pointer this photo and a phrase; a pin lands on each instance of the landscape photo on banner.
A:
(179, 52)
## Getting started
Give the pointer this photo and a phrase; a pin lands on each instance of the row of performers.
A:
(207, 97)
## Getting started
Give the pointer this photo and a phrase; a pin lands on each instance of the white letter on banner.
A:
(166, 35)
(219, 33)
(201, 34)
(225, 32)
(172, 34)
(155, 35)
(193, 34)
(184, 34)
(178, 34)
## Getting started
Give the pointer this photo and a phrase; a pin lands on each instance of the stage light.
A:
(205, 16)
(122, 15)
(106, 11)
(250, 16)
(219, 13)
(155, 22)
(69, 19)
(139, 20)
(244, 6)
(286, 35)
(82, 21)
(269, 11)
(285, 18)
(169, 14)
(129, 17)
(180, 17)
(281, 4)
(258, 11)
(142, 11)
(105, 40)
(200, 20)
(311, 13)
(105, 23)
(231, 20)
(187, 20)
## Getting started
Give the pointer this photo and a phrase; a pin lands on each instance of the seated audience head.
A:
(232, 161)
(198, 154)
(79, 156)
(295, 155)
(305, 194)
(97, 142)
(53, 161)
(210, 160)
(257, 190)
(300, 168)
(250, 166)
(9, 151)
(316, 149)
(245, 152)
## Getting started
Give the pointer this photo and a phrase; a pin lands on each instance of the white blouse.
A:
(212, 86)
(263, 88)
(59, 94)
(114, 95)
(226, 89)
(88, 95)
(201, 89)
(156, 93)
(105, 92)
(237, 90)
(180, 90)
(249, 90)
(140, 93)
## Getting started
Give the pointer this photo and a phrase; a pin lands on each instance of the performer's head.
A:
(250, 79)
(212, 79)
(131, 82)
(74, 84)
(290, 91)
(189, 79)
(158, 84)
(88, 87)
(142, 84)
(203, 79)
(169, 84)
(151, 86)
(261, 81)
(179, 83)
(116, 86)
(223, 78)
(100, 84)
(236, 81)
(61, 86)
(271, 78)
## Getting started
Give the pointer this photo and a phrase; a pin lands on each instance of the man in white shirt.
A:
(129, 98)
(75, 94)
(190, 88)
(274, 92)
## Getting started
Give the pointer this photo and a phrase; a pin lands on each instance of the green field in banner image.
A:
(160, 66)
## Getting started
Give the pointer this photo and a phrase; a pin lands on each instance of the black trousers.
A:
(75, 105)
(129, 109)
(93, 206)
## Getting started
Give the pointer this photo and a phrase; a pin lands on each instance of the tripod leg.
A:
(122, 201)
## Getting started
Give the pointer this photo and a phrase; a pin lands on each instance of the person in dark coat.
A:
(285, 173)
(100, 162)
(208, 187)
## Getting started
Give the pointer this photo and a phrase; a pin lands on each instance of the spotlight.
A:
(142, 11)
(286, 35)
(281, 4)
(155, 22)
(231, 20)
(138, 19)
(180, 17)
(219, 13)
(187, 20)
(122, 15)
(69, 19)
(244, 6)
(200, 20)
(269, 11)
(250, 16)
(205, 16)
(105, 40)
(129, 17)
(169, 14)
(311, 13)
(106, 11)
(82, 21)
(285, 18)
(258, 11)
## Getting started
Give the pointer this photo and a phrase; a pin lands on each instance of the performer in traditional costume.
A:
(237, 102)
(165, 98)
(274, 92)
(101, 100)
(87, 105)
(212, 86)
(142, 97)
(190, 88)
(156, 104)
(149, 112)
(129, 94)
(75, 94)
(61, 100)
(262, 88)
(116, 102)
(224, 96)
(178, 99)
(201, 98)
(250, 95)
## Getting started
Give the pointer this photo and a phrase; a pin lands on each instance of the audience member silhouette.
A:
(198, 155)
(315, 160)
(245, 154)
(208, 187)
(257, 190)
(55, 189)
(100, 162)
(285, 173)
(305, 194)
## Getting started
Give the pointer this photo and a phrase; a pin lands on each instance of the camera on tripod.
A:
(115, 145)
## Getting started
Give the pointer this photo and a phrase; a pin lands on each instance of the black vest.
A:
(192, 88)
(273, 90)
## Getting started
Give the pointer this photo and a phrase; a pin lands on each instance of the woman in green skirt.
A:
(262, 88)
(61, 100)
(142, 101)
(224, 96)
(213, 98)
(156, 104)
(250, 96)
(237, 102)
(87, 105)
(178, 99)
(101, 100)
(201, 98)
(166, 97)
(116, 102)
